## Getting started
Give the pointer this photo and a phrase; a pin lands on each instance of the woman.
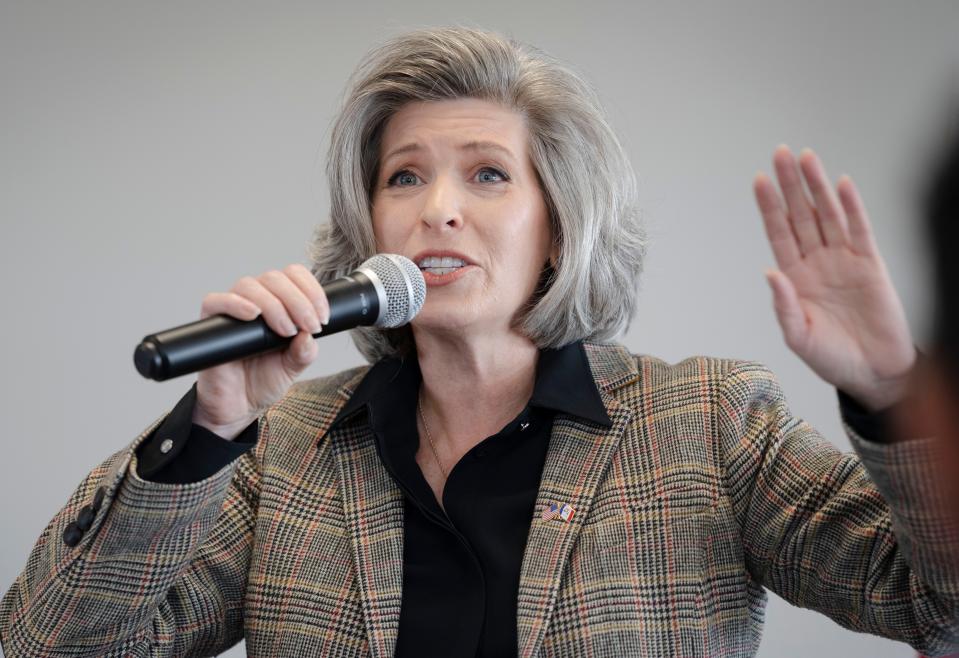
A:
(502, 480)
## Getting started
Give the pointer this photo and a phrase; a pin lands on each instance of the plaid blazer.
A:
(704, 492)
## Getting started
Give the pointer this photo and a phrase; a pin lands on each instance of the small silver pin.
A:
(523, 426)
(166, 446)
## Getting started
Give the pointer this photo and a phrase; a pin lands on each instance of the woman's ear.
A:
(553, 256)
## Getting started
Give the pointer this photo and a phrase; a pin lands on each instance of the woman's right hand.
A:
(232, 395)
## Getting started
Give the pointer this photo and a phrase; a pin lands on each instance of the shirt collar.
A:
(564, 383)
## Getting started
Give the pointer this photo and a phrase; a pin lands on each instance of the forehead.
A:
(457, 122)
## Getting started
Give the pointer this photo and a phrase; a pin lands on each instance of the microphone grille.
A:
(404, 286)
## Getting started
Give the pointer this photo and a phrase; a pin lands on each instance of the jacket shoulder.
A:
(702, 378)
(312, 404)
(333, 385)
(699, 367)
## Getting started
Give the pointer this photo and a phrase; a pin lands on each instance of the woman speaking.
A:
(503, 479)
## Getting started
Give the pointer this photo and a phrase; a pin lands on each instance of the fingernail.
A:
(321, 312)
(291, 330)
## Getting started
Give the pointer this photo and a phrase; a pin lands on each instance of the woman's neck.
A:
(472, 387)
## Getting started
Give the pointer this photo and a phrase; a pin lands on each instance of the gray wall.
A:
(150, 153)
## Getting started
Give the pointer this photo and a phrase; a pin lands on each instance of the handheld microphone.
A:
(386, 291)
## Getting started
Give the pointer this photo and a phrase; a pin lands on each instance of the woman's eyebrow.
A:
(487, 146)
(399, 150)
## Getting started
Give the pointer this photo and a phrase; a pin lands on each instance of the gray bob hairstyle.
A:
(587, 180)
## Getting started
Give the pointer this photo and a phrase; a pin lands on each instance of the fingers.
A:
(861, 238)
(289, 301)
(310, 287)
(832, 220)
(801, 213)
(826, 220)
(778, 232)
(228, 303)
(297, 305)
(274, 312)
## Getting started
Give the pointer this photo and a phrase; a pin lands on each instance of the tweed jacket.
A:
(704, 492)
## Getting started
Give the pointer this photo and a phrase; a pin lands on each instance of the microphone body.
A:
(383, 291)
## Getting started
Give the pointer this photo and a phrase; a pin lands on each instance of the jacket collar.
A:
(564, 383)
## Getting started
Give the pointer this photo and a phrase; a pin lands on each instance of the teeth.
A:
(444, 262)
(440, 270)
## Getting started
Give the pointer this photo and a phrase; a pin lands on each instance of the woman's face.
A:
(455, 182)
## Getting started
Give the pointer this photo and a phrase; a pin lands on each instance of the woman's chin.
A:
(450, 319)
(443, 325)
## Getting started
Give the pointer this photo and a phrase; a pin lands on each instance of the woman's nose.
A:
(442, 207)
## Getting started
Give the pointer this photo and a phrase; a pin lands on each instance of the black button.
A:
(85, 518)
(72, 535)
(98, 499)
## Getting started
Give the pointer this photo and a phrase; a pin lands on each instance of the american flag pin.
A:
(561, 511)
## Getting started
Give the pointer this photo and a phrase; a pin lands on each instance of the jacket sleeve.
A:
(868, 540)
(134, 567)
(180, 452)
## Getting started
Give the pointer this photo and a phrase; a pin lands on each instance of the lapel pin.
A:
(561, 511)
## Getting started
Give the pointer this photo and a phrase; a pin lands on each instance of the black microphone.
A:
(386, 291)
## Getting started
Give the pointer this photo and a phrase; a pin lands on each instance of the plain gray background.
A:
(152, 152)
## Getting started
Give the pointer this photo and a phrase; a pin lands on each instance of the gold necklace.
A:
(429, 436)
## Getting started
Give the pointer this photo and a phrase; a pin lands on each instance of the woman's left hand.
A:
(834, 300)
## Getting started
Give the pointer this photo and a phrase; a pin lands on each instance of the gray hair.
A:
(587, 181)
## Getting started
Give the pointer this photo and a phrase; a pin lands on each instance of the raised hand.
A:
(833, 297)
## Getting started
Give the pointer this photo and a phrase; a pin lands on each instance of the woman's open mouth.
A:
(439, 271)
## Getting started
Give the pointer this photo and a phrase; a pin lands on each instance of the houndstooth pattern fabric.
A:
(704, 492)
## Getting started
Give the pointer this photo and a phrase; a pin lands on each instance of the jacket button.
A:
(72, 535)
(98, 499)
(85, 518)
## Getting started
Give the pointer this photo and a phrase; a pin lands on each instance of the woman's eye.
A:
(491, 175)
(406, 178)
(403, 178)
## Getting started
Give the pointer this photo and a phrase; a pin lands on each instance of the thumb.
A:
(789, 312)
(300, 353)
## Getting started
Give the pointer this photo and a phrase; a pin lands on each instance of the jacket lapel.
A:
(373, 506)
(579, 452)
